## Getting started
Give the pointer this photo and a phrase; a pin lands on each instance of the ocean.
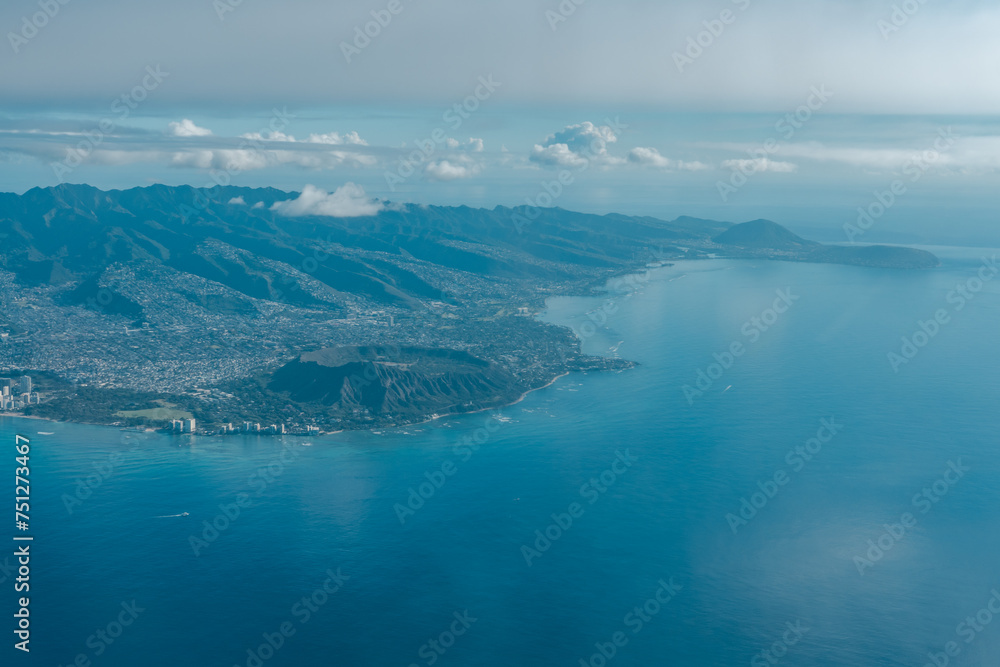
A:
(767, 486)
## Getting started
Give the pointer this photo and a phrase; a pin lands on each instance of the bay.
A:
(667, 516)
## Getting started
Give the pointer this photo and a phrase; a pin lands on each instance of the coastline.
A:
(595, 289)
(16, 415)
(428, 420)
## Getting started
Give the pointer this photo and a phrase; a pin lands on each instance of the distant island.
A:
(769, 240)
(156, 306)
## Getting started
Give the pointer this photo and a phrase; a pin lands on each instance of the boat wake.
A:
(172, 516)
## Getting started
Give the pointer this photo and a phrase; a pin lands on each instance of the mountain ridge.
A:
(210, 300)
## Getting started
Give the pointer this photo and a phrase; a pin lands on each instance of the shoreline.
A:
(431, 419)
(481, 410)
(595, 293)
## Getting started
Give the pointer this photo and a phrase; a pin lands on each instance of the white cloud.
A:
(577, 146)
(748, 165)
(691, 166)
(330, 138)
(228, 160)
(348, 201)
(116, 158)
(557, 155)
(248, 159)
(649, 157)
(942, 150)
(237, 201)
(452, 169)
(300, 154)
(473, 145)
(187, 128)
(336, 139)
(273, 135)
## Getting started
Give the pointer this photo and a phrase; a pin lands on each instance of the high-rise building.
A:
(25, 384)
(190, 426)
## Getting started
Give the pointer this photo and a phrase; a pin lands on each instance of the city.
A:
(17, 393)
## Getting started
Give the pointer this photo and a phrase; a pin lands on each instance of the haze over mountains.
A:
(203, 294)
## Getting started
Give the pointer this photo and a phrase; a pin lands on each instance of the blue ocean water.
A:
(647, 480)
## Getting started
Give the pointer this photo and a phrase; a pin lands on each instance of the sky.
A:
(812, 113)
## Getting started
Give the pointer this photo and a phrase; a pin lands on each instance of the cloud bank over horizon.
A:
(740, 54)
(639, 105)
